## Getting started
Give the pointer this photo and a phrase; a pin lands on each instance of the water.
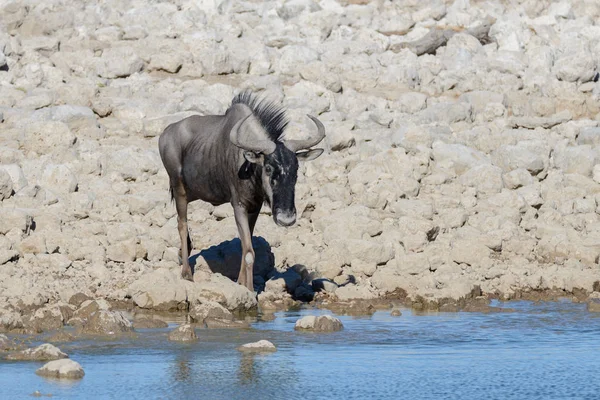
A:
(540, 351)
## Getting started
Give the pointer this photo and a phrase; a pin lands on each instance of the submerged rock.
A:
(593, 305)
(43, 352)
(355, 307)
(219, 323)
(183, 333)
(266, 316)
(323, 323)
(149, 323)
(66, 369)
(262, 346)
(449, 307)
(478, 304)
(395, 313)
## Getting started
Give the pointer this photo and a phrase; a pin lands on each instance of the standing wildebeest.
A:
(240, 158)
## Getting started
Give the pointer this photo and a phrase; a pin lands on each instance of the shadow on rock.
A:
(226, 257)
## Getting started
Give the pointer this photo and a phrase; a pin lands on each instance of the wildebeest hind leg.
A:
(181, 206)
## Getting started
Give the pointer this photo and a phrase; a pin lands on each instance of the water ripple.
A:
(539, 351)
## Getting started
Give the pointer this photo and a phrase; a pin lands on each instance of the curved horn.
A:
(295, 145)
(247, 134)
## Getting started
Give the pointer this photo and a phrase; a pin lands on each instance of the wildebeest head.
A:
(278, 160)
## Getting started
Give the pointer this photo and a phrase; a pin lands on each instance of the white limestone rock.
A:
(262, 346)
(323, 323)
(62, 369)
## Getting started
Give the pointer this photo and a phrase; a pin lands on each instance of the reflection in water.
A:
(182, 371)
(517, 355)
(247, 373)
(63, 383)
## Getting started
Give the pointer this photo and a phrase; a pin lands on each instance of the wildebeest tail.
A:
(171, 193)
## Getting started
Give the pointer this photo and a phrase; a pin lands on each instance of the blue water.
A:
(540, 351)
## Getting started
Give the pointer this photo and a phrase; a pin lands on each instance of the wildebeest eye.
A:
(268, 169)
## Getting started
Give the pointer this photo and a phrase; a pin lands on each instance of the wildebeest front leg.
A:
(181, 206)
(246, 276)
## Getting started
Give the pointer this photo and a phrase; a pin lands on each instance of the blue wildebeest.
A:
(240, 158)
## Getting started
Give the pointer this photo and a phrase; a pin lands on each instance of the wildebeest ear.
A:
(309, 155)
(254, 158)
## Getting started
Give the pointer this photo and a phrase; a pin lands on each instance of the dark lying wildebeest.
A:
(239, 158)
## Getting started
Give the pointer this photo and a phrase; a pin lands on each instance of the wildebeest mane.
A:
(271, 116)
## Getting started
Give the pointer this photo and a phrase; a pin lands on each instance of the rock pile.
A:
(462, 149)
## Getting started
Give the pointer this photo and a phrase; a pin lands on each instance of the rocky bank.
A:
(462, 150)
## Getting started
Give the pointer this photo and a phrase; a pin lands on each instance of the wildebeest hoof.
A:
(187, 276)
